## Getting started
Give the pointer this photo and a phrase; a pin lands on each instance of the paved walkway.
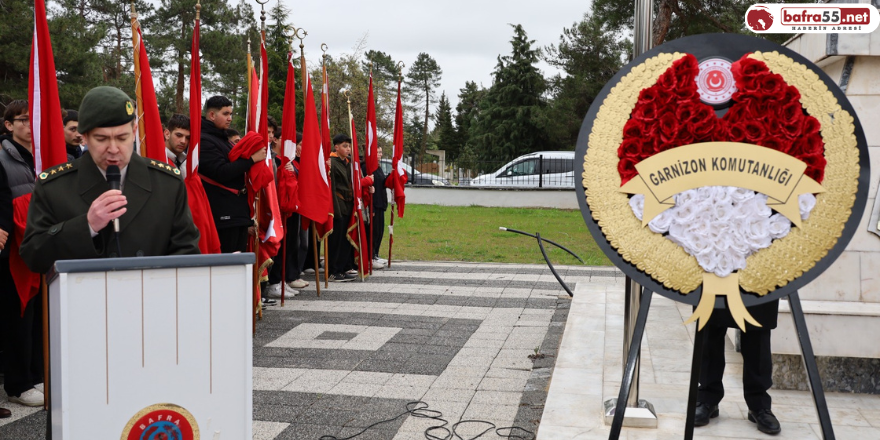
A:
(456, 336)
(589, 369)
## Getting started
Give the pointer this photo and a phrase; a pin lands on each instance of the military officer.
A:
(72, 210)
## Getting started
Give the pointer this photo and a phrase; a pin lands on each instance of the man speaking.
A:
(73, 208)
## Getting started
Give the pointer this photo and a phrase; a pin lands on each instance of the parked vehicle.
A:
(544, 169)
(415, 177)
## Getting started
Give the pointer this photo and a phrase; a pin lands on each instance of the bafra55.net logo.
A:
(812, 18)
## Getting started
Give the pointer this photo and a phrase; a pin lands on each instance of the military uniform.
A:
(157, 220)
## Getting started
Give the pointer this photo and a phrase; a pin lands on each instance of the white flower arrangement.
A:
(721, 225)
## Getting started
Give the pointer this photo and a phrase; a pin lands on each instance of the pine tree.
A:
(444, 131)
(590, 55)
(421, 88)
(509, 114)
(466, 113)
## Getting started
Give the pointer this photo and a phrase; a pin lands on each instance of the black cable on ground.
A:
(419, 409)
(546, 258)
(544, 239)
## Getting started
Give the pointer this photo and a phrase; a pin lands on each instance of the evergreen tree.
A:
(16, 34)
(385, 74)
(509, 114)
(466, 113)
(444, 131)
(590, 55)
(679, 18)
(423, 80)
(413, 136)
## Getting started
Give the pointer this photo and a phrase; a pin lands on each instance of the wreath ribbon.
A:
(713, 286)
(771, 172)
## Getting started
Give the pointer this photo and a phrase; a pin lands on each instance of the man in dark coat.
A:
(72, 210)
(225, 180)
(341, 251)
(71, 135)
(377, 219)
(757, 367)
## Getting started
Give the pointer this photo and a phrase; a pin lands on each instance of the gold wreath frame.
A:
(160, 407)
(666, 262)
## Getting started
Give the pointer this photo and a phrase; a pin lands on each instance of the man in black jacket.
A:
(71, 135)
(225, 180)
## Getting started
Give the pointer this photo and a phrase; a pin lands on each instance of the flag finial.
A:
(323, 52)
(400, 67)
(134, 14)
(198, 8)
(263, 13)
(296, 32)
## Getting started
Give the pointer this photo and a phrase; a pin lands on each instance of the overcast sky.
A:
(465, 37)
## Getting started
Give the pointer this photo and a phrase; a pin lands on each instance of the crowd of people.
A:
(73, 209)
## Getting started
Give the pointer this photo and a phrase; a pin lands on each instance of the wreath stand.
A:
(800, 324)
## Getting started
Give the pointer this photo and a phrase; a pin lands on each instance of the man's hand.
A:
(259, 155)
(372, 189)
(106, 208)
(289, 167)
(3, 236)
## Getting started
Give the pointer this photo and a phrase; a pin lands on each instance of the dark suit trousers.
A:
(293, 260)
(757, 367)
(341, 252)
(22, 337)
(233, 239)
(378, 231)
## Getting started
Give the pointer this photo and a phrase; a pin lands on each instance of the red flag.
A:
(47, 133)
(356, 232)
(209, 242)
(262, 107)
(47, 128)
(326, 141)
(287, 181)
(288, 113)
(151, 139)
(397, 179)
(315, 200)
(371, 153)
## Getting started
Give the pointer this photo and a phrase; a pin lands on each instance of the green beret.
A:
(104, 107)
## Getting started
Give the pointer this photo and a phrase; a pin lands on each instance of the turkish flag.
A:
(209, 242)
(356, 232)
(151, 138)
(371, 153)
(397, 179)
(286, 180)
(326, 138)
(315, 200)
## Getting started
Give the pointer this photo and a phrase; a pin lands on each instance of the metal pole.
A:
(644, 417)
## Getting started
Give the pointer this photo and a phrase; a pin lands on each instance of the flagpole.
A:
(315, 254)
(257, 267)
(360, 250)
(372, 214)
(135, 40)
(327, 169)
(400, 67)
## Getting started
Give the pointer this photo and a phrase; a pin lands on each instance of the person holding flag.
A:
(341, 251)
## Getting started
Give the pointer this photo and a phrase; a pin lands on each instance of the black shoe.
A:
(5, 413)
(341, 277)
(767, 422)
(703, 413)
(269, 302)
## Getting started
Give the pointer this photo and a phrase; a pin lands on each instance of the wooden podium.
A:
(143, 346)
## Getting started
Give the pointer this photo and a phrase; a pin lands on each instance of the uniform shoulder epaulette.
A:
(58, 170)
(170, 169)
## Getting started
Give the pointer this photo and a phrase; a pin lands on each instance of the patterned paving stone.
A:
(455, 335)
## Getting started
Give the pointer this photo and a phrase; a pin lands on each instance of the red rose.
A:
(799, 147)
(735, 113)
(686, 70)
(815, 144)
(811, 125)
(648, 95)
(772, 85)
(772, 125)
(627, 169)
(646, 112)
(667, 80)
(629, 148)
(790, 113)
(774, 144)
(647, 147)
(706, 129)
(703, 115)
(736, 132)
(754, 130)
(668, 127)
(684, 112)
(747, 67)
(686, 94)
(815, 166)
(685, 136)
(634, 128)
(791, 94)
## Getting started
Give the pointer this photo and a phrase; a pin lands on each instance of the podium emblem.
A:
(164, 421)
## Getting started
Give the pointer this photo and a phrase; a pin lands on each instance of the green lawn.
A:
(456, 233)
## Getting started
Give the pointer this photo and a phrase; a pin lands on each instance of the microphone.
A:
(114, 178)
